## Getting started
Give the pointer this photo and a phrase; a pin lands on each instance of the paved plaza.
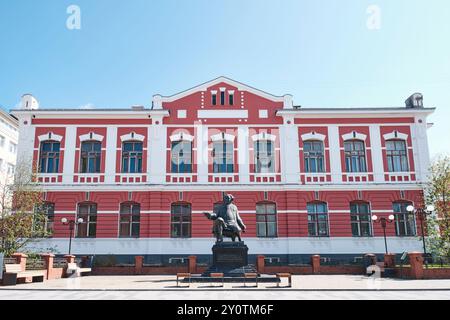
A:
(342, 287)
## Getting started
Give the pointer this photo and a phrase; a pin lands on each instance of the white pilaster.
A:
(335, 154)
(156, 159)
(377, 155)
(420, 149)
(69, 154)
(243, 157)
(111, 146)
(202, 153)
(25, 143)
(290, 160)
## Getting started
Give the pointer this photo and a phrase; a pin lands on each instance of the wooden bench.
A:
(14, 272)
(184, 275)
(284, 275)
(251, 275)
(73, 268)
(217, 275)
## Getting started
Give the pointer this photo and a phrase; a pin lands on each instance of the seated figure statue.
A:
(227, 221)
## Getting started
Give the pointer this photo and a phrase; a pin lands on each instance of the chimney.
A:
(414, 101)
(137, 108)
(28, 102)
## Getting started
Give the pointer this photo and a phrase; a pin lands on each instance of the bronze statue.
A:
(227, 221)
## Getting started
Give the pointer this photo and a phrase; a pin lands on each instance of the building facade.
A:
(8, 150)
(306, 180)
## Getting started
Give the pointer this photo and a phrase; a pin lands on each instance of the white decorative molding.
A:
(50, 136)
(230, 91)
(132, 136)
(264, 136)
(313, 136)
(354, 136)
(213, 91)
(91, 136)
(222, 136)
(222, 114)
(181, 137)
(222, 89)
(395, 135)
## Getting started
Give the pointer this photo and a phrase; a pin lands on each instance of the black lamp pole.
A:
(71, 224)
(422, 212)
(384, 222)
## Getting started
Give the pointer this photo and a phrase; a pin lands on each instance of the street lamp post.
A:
(384, 222)
(71, 224)
(422, 213)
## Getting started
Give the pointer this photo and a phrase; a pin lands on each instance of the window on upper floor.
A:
(223, 156)
(405, 222)
(355, 156)
(11, 169)
(313, 152)
(180, 220)
(266, 219)
(230, 98)
(181, 156)
(1, 165)
(317, 219)
(91, 152)
(214, 98)
(396, 156)
(12, 147)
(2, 141)
(130, 216)
(360, 219)
(222, 97)
(88, 212)
(264, 156)
(132, 157)
(49, 157)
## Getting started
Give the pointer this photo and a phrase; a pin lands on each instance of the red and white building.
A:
(306, 180)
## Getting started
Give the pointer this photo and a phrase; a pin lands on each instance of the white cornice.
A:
(264, 136)
(50, 136)
(91, 136)
(395, 135)
(132, 136)
(181, 137)
(222, 136)
(354, 136)
(313, 136)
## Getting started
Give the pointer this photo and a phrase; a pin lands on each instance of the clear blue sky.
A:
(320, 51)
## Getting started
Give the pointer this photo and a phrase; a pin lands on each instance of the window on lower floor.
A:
(266, 219)
(181, 220)
(317, 219)
(87, 228)
(313, 152)
(405, 222)
(44, 218)
(360, 219)
(130, 218)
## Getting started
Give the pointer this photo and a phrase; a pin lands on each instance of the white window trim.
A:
(50, 136)
(313, 136)
(354, 136)
(264, 136)
(132, 136)
(181, 137)
(222, 136)
(87, 137)
(395, 135)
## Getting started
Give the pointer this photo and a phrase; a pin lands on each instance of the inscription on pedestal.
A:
(230, 254)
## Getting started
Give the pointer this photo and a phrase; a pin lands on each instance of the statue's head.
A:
(227, 198)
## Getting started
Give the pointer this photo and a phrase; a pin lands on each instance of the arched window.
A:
(45, 217)
(405, 222)
(360, 219)
(130, 217)
(313, 153)
(181, 156)
(264, 156)
(266, 219)
(396, 154)
(317, 219)
(91, 152)
(181, 220)
(223, 156)
(88, 212)
(132, 157)
(49, 156)
(355, 156)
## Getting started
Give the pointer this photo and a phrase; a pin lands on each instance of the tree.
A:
(438, 194)
(21, 215)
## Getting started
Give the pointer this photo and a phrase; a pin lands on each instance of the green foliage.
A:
(438, 194)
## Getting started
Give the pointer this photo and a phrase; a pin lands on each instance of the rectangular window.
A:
(355, 156)
(49, 157)
(45, 217)
(181, 157)
(360, 219)
(129, 220)
(2, 141)
(181, 220)
(214, 99)
(313, 156)
(223, 157)
(264, 156)
(266, 220)
(396, 154)
(317, 219)
(12, 147)
(231, 98)
(87, 228)
(11, 169)
(90, 156)
(405, 222)
(222, 98)
(132, 157)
